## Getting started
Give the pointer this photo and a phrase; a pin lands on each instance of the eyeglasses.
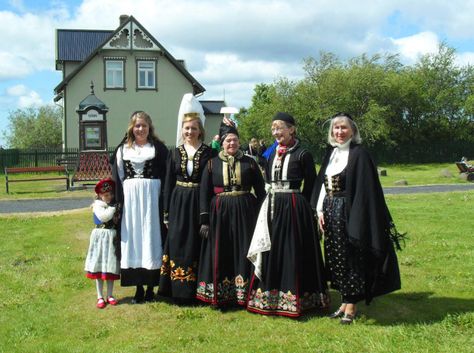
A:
(278, 129)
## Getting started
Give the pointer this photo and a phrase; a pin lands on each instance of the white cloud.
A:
(230, 67)
(236, 94)
(13, 66)
(464, 59)
(27, 44)
(23, 96)
(412, 47)
(17, 90)
(233, 45)
(29, 100)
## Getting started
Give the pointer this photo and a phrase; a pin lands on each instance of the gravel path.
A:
(44, 205)
(427, 188)
(53, 205)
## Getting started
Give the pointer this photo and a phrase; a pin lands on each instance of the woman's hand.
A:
(204, 231)
(321, 222)
(228, 121)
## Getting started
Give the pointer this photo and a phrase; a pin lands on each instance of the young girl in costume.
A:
(101, 262)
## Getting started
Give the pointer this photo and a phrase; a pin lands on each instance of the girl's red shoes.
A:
(112, 301)
(100, 303)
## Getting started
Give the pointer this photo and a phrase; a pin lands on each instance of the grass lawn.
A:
(47, 304)
(421, 174)
(39, 189)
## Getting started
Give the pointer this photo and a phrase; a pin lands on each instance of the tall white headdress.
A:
(189, 105)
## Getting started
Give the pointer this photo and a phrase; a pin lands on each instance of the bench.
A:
(68, 162)
(18, 170)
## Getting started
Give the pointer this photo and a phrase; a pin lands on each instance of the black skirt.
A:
(224, 271)
(293, 270)
(344, 262)
(182, 245)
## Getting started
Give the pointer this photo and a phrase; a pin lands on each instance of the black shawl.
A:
(369, 223)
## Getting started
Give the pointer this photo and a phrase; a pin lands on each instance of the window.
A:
(114, 74)
(93, 137)
(146, 74)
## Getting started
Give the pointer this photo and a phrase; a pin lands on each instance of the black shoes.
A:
(149, 295)
(139, 296)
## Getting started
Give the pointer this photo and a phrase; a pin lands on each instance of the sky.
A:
(228, 46)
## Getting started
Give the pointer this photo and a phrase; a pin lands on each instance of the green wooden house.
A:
(130, 71)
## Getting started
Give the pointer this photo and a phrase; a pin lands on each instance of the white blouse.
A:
(137, 154)
(103, 211)
(190, 151)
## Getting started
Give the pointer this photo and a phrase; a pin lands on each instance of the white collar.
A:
(343, 146)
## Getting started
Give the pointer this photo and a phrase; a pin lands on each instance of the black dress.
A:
(360, 256)
(291, 278)
(181, 205)
(231, 210)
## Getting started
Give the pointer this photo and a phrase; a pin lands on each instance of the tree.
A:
(255, 122)
(402, 111)
(35, 127)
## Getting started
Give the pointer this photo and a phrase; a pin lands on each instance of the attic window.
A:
(146, 74)
(114, 73)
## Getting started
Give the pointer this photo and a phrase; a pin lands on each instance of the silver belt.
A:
(289, 191)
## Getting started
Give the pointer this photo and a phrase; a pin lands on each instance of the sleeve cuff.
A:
(204, 218)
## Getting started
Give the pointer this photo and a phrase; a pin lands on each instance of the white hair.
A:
(344, 117)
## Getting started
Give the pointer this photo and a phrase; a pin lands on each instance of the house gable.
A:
(131, 71)
(130, 35)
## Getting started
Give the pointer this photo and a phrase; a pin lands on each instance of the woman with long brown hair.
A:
(139, 171)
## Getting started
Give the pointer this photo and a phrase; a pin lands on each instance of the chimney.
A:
(123, 19)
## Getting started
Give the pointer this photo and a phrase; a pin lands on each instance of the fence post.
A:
(36, 158)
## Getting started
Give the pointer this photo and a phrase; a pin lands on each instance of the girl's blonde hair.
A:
(130, 138)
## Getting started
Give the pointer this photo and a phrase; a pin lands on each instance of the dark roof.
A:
(91, 101)
(212, 107)
(76, 45)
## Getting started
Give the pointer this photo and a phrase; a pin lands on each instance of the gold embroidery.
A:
(183, 275)
(165, 266)
(195, 160)
(178, 274)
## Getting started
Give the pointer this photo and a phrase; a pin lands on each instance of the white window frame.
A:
(149, 73)
(117, 80)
